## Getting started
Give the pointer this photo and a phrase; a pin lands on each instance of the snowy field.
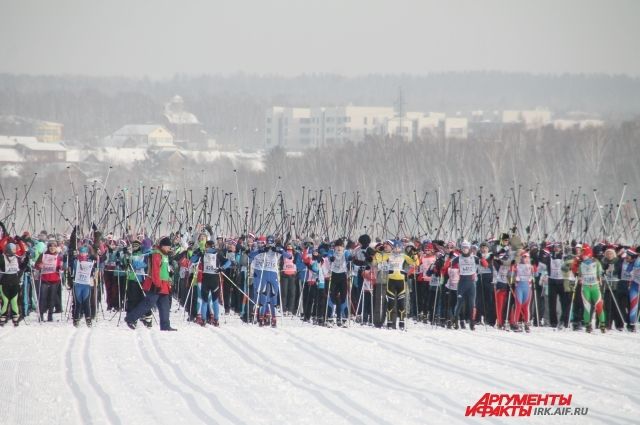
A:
(294, 374)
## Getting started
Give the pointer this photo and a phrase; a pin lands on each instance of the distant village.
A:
(180, 136)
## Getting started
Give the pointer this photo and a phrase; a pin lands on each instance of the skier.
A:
(136, 269)
(503, 264)
(339, 286)
(288, 281)
(467, 267)
(83, 271)
(50, 265)
(211, 262)
(522, 292)
(265, 273)
(396, 288)
(634, 288)
(157, 288)
(590, 272)
(427, 260)
(12, 266)
(614, 298)
(485, 302)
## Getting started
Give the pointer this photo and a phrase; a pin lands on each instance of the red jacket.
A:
(50, 277)
(153, 277)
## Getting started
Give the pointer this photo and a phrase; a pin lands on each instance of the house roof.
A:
(10, 155)
(32, 144)
(138, 130)
(7, 141)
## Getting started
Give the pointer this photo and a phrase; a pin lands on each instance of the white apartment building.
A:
(532, 119)
(456, 128)
(300, 128)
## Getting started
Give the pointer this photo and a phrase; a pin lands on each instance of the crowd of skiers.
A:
(504, 283)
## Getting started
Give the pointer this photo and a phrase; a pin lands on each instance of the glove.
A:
(332, 258)
(274, 249)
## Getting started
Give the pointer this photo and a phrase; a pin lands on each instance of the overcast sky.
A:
(290, 37)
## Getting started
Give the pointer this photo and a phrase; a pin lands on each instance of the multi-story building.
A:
(300, 128)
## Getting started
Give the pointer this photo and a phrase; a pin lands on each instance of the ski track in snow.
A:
(336, 401)
(168, 378)
(223, 415)
(299, 373)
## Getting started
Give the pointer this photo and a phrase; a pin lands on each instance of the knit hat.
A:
(164, 242)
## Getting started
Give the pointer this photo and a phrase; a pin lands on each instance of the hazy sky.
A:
(351, 37)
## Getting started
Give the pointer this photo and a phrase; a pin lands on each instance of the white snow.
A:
(52, 373)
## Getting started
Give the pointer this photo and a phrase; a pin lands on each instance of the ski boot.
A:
(50, 317)
(213, 321)
(631, 328)
(131, 325)
(147, 321)
(15, 318)
(261, 321)
(199, 320)
(88, 320)
(76, 322)
(462, 325)
(456, 323)
(527, 329)
(401, 325)
(273, 322)
(603, 328)
(3, 320)
(391, 325)
(514, 328)
(472, 325)
(589, 328)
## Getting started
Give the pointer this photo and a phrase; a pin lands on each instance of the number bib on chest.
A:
(11, 265)
(467, 265)
(210, 263)
(49, 263)
(83, 273)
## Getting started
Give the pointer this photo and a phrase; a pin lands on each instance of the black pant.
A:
(485, 299)
(48, 293)
(466, 300)
(537, 302)
(339, 291)
(134, 294)
(556, 290)
(396, 300)
(210, 285)
(621, 296)
(422, 291)
(577, 311)
(288, 290)
(228, 292)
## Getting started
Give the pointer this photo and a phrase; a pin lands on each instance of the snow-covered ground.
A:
(53, 373)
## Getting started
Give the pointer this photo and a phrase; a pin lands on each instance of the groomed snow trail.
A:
(53, 373)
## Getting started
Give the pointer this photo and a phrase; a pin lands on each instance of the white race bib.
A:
(210, 263)
(83, 273)
(49, 263)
